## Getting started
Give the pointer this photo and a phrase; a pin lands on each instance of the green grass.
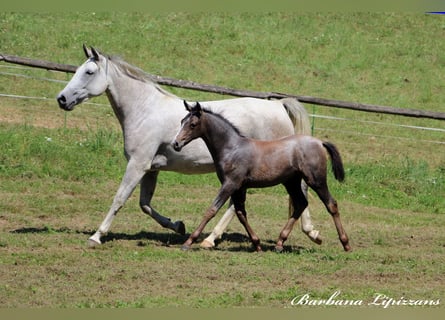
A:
(96, 155)
(59, 171)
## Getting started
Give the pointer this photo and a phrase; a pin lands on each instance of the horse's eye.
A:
(89, 72)
(192, 125)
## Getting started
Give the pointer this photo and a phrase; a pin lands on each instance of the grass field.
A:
(59, 171)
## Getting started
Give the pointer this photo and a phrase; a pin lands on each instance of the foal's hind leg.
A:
(299, 202)
(239, 200)
(321, 188)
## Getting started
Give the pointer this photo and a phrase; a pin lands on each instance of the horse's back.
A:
(255, 118)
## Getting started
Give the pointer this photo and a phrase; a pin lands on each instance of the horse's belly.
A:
(191, 160)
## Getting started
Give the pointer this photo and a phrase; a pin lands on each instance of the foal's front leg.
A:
(223, 195)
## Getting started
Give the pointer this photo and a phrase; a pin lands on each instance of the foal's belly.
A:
(265, 182)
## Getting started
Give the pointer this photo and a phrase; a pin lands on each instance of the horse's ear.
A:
(87, 51)
(95, 54)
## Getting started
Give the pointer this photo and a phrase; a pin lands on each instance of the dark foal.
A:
(243, 163)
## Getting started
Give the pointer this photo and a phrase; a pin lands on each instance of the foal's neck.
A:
(220, 135)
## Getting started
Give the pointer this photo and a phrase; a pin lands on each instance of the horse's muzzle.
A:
(61, 100)
(67, 104)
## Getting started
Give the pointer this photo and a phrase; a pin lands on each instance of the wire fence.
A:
(13, 71)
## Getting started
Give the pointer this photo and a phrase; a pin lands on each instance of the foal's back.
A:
(272, 162)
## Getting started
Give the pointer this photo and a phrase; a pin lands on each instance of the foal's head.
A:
(190, 126)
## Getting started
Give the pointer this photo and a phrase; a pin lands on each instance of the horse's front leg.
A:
(148, 186)
(132, 176)
(223, 195)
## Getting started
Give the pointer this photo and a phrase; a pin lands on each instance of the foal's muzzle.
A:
(177, 145)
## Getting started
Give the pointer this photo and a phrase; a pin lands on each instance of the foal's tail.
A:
(336, 162)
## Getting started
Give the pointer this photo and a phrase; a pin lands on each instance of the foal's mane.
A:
(137, 73)
(219, 116)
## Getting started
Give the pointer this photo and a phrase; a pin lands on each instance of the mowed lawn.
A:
(59, 171)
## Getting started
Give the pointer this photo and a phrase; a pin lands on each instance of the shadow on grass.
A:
(233, 242)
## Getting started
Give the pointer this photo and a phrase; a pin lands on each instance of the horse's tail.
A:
(298, 115)
(336, 162)
(300, 119)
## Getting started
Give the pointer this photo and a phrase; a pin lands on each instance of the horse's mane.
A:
(217, 115)
(137, 73)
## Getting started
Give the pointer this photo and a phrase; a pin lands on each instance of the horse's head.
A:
(90, 80)
(190, 126)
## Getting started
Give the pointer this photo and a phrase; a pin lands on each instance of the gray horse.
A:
(150, 117)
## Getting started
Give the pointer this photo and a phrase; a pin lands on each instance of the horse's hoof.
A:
(206, 244)
(314, 235)
(185, 247)
(180, 227)
(92, 243)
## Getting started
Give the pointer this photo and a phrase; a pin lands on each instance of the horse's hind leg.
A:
(148, 185)
(299, 202)
(239, 200)
(218, 230)
(306, 222)
(331, 205)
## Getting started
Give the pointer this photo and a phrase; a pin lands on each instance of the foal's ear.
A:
(195, 109)
(187, 106)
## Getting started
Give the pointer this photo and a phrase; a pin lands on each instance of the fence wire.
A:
(314, 116)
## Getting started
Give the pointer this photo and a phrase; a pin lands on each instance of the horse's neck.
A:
(220, 136)
(132, 100)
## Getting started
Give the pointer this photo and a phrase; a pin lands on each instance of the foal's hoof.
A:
(279, 249)
(180, 227)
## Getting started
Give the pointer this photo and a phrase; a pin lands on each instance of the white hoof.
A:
(207, 244)
(93, 242)
(314, 235)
